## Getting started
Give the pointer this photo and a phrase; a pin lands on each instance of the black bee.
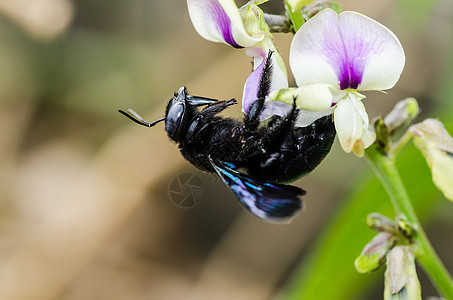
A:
(268, 155)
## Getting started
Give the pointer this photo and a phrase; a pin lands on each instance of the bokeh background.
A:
(85, 211)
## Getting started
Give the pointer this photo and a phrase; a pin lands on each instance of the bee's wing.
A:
(272, 202)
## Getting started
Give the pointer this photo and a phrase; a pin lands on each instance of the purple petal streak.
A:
(223, 23)
(349, 60)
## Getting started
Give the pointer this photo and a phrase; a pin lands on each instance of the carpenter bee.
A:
(254, 161)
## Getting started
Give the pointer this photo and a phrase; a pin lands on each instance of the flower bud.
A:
(373, 255)
(401, 281)
(380, 223)
(253, 19)
(436, 145)
(405, 228)
(401, 115)
(383, 135)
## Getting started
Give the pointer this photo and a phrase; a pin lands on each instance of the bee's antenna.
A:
(138, 119)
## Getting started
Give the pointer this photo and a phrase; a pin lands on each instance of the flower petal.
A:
(220, 21)
(351, 124)
(373, 255)
(372, 50)
(277, 77)
(314, 102)
(436, 144)
(348, 50)
(401, 281)
(313, 97)
(274, 108)
(252, 84)
(312, 45)
(306, 117)
(348, 124)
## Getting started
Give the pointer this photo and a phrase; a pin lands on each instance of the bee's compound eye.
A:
(174, 118)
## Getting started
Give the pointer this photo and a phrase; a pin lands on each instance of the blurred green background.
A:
(85, 211)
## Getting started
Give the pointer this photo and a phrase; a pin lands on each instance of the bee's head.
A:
(180, 111)
(178, 114)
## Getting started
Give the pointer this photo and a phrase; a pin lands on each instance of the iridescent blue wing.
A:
(272, 202)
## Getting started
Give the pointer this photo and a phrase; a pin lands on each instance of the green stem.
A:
(295, 17)
(385, 169)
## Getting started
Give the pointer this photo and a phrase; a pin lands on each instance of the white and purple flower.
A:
(220, 21)
(335, 56)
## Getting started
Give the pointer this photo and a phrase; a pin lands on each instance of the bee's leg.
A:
(279, 128)
(207, 114)
(273, 136)
(216, 107)
(301, 150)
(210, 136)
(252, 119)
